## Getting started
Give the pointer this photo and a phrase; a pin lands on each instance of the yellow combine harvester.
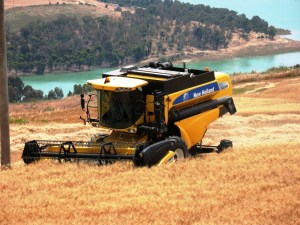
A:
(155, 114)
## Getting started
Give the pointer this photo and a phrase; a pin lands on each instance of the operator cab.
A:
(119, 110)
(120, 100)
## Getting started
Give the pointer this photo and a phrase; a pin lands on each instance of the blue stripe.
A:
(197, 92)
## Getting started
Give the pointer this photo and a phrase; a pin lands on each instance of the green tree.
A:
(77, 89)
(15, 89)
(40, 67)
(138, 53)
(57, 93)
(272, 32)
(85, 88)
(30, 94)
(259, 25)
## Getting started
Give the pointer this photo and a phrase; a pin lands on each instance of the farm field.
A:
(255, 182)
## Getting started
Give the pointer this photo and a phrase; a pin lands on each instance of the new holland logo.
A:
(197, 92)
(204, 92)
(186, 96)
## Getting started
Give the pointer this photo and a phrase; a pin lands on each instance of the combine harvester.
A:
(156, 114)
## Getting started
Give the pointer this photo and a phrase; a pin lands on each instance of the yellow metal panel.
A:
(223, 78)
(146, 77)
(116, 83)
(193, 128)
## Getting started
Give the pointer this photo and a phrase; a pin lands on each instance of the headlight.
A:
(132, 130)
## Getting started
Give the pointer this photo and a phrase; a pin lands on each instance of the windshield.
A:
(120, 109)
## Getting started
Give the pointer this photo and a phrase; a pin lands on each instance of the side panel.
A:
(187, 97)
(200, 93)
(192, 129)
(224, 85)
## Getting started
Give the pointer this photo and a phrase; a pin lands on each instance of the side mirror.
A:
(82, 101)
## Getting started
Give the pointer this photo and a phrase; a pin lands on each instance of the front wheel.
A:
(177, 153)
(166, 151)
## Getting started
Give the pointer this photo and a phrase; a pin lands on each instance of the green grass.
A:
(243, 90)
(44, 121)
(260, 90)
(49, 109)
(238, 91)
(18, 121)
(281, 69)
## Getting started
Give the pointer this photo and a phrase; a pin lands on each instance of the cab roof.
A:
(115, 83)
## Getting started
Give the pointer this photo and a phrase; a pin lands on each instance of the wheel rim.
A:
(179, 155)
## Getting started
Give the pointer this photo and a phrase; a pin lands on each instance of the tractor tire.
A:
(179, 148)
(151, 155)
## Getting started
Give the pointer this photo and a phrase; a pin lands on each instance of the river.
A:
(283, 14)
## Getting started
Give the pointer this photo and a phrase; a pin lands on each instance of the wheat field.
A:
(255, 182)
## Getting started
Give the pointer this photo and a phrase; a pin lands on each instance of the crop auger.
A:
(153, 114)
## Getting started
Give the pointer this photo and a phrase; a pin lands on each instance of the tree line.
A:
(18, 92)
(226, 19)
(153, 28)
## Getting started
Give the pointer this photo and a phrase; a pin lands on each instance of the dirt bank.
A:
(240, 47)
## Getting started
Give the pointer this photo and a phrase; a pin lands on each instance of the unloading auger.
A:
(154, 114)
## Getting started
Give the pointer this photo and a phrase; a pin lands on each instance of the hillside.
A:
(108, 35)
(255, 182)
(8, 4)
(23, 14)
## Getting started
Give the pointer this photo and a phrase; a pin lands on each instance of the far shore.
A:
(237, 48)
(240, 47)
(247, 51)
(251, 49)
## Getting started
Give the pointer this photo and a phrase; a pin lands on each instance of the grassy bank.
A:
(270, 74)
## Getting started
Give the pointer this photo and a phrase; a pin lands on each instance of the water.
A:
(283, 14)
(65, 81)
(249, 64)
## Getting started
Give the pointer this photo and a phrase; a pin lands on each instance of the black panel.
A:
(177, 115)
(223, 111)
(177, 78)
(178, 83)
(183, 82)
